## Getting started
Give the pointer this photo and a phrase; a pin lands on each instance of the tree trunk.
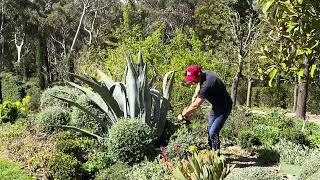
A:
(70, 61)
(303, 92)
(39, 63)
(295, 94)
(236, 79)
(2, 48)
(45, 59)
(249, 92)
(24, 70)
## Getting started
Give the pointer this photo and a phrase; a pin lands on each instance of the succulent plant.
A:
(206, 165)
(132, 98)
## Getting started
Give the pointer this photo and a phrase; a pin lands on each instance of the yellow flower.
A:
(193, 149)
(18, 104)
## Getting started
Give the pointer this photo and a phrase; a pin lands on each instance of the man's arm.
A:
(194, 106)
(196, 93)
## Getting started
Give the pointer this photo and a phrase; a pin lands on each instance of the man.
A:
(212, 88)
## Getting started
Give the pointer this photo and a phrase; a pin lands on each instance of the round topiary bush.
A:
(47, 99)
(83, 120)
(129, 140)
(64, 166)
(53, 116)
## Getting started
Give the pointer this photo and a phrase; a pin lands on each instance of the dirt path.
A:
(248, 166)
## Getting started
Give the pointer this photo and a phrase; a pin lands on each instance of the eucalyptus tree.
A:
(244, 23)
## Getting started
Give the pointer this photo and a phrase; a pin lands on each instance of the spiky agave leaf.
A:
(165, 103)
(97, 100)
(72, 103)
(104, 93)
(119, 92)
(132, 89)
(99, 138)
(105, 79)
(167, 84)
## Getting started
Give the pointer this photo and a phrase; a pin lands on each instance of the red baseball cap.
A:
(192, 73)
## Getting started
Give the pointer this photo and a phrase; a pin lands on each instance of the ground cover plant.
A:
(92, 89)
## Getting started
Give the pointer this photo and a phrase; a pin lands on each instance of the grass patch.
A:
(10, 170)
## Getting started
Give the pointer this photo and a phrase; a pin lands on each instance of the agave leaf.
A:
(178, 173)
(195, 165)
(98, 100)
(99, 138)
(140, 63)
(120, 94)
(104, 94)
(132, 90)
(72, 103)
(167, 84)
(145, 98)
(105, 79)
(156, 103)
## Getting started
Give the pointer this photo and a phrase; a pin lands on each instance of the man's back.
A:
(214, 90)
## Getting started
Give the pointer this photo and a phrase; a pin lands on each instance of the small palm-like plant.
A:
(132, 98)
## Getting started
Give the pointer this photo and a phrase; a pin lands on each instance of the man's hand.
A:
(188, 111)
(183, 118)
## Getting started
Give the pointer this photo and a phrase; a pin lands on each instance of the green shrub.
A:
(9, 112)
(117, 171)
(150, 171)
(47, 99)
(314, 140)
(267, 135)
(97, 161)
(247, 139)
(12, 89)
(291, 153)
(64, 166)
(254, 173)
(83, 120)
(239, 119)
(181, 140)
(53, 116)
(129, 141)
(35, 93)
(68, 143)
(310, 166)
(227, 135)
(295, 136)
(268, 155)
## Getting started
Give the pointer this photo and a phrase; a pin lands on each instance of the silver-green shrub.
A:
(129, 141)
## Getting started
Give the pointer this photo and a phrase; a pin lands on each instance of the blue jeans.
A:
(215, 124)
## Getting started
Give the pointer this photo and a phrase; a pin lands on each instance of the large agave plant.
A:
(132, 98)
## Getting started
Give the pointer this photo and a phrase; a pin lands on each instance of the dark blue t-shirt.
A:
(213, 89)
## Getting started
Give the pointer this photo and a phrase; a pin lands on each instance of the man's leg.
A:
(212, 117)
(216, 122)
